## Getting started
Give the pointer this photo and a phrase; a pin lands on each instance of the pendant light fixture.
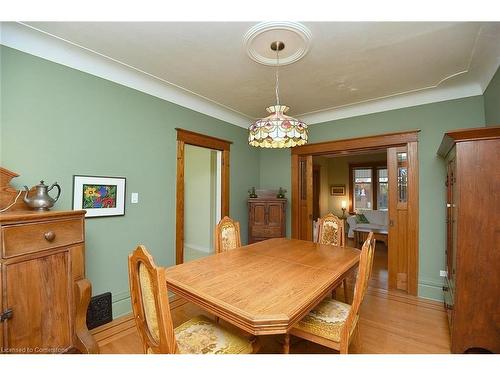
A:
(277, 130)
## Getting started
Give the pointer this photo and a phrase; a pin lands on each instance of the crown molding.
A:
(398, 101)
(49, 47)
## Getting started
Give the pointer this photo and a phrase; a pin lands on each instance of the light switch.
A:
(134, 198)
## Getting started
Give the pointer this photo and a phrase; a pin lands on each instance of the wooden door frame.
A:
(317, 169)
(186, 137)
(373, 142)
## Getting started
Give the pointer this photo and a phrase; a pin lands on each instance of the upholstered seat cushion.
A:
(200, 335)
(326, 320)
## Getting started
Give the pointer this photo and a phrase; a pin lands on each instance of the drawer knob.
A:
(50, 236)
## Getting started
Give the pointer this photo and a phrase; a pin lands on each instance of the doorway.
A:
(202, 192)
(350, 183)
(202, 198)
(402, 174)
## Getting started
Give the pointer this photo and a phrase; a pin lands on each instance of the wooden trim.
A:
(179, 209)
(202, 140)
(463, 135)
(196, 139)
(392, 259)
(413, 215)
(295, 197)
(309, 194)
(361, 143)
(345, 146)
(374, 165)
(316, 191)
(225, 184)
(297, 213)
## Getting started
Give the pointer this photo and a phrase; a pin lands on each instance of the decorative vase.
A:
(251, 193)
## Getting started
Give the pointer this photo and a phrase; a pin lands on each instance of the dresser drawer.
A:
(28, 238)
(268, 232)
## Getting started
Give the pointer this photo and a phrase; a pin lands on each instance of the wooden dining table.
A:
(266, 287)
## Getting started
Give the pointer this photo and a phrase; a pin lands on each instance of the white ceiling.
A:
(347, 63)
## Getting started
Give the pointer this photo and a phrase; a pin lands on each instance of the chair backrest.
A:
(362, 279)
(331, 230)
(148, 292)
(227, 235)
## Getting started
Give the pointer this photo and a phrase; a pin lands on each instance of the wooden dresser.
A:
(266, 218)
(472, 285)
(43, 291)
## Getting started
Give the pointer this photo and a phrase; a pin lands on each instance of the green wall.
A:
(200, 174)
(57, 122)
(433, 120)
(492, 101)
(336, 171)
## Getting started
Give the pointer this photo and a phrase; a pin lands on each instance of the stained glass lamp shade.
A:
(277, 130)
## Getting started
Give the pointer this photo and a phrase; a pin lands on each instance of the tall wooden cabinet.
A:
(472, 285)
(43, 291)
(266, 218)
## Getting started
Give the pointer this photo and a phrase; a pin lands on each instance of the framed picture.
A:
(99, 195)
(337, 190)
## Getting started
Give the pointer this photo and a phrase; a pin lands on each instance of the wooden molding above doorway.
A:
(186, 137)
(361, 143)
(301, 164)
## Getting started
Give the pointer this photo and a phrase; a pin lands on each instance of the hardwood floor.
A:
(379, 278)
(391, 322)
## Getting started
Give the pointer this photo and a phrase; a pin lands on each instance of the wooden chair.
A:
(331, 231)
(227, 235)
(148, 290)
(333, 323)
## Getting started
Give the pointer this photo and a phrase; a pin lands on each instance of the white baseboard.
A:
(198, 248)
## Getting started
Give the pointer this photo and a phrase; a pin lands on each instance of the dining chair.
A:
(333, 323)
(331, 231)
(200, 335)
(227, 235)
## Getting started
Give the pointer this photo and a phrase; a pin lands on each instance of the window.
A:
(382, 189)
(369, 189)
(362, 189)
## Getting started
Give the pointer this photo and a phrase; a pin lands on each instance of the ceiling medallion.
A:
(294, 35)
(277, 130)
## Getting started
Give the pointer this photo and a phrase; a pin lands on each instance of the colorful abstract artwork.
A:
(99, 196)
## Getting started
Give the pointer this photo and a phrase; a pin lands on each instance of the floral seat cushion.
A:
(326, 320)
(202, 336)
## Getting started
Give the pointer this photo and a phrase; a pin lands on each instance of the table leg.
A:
(286, 344)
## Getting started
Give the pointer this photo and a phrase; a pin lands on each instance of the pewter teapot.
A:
(41, 200)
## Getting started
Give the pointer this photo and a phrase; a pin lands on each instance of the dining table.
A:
(266, 287)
